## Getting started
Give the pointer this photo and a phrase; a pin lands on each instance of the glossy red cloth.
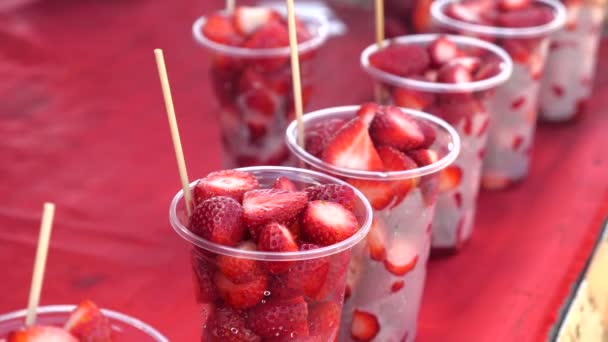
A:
(82, 123)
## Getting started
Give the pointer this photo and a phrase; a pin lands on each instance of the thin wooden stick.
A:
(40, 262)
(230, 6)
(379, 94)
(295, 70)
(177, 143)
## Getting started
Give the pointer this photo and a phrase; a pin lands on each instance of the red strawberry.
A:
(430, 75)
(450, 178)
(320, 134)
(88, 324)
(394, 160)
(230, 183)
(489, 68)
(203, 270)
(271, 35)
(261, 102)
(40, 334)
(364, 327)
(283, 183)
(323, 318)
(327, 223)
(336, 275)
(429, 132)
(495, 182)
(516, 49)
(306, 277)
(368, 111)
(410, 98)
(442, 50)
(401, 258)
(376, 240)
(454, 73)
(267, 205)
(394, 128)
(241, 296)
(526, 17)
(220, 29)
(337, 193)
(423, 157)
(239, 270)
(353, 148)
(421, 16)
(379, 193)
(401, 60)
(248, 20)
(275, 237)
(397, 285)
(463, 12)
(509, 5)
(472, 64)
(283, 319)
(219, 220)
(227, 324)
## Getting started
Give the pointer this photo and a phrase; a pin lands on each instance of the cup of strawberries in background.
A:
(454, 78)
(523, 29)
(250, 72)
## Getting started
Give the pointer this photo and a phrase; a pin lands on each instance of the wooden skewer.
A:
(230, 6)
(177, 143)
(379, 94)
(40, 263)
(295, 70)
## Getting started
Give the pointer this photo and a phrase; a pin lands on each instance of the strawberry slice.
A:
(394, 128)
(248, 20)
(401, 60)
(338, 269)
(489, 68)
(470, 63)
(421, 17)
(272, 35)
(353, 148)
(364, 327)
(464, 12)
(423, 157)
(280, 320)
(454, 73)
(401, 258)
(450, 178)
(221, 30)
(397, 285)
(431, 75)
(368, 111)
(410, 98)
(526, 17)
(239, 270)
(275, 237)
(284, 183)
(218, 220)
(429, 132)
(495, 182)
(516, 50)
(266, 205)
(40, 334)
(88, 324)
(320, 134)
(323, 318)
(203, 270)
(230, 183)
(228, 325)
(336, 193)
(326, 223)
(442, 50)
(510, 5)
(376, 240)
(306, 277)
(241, 296)
(394, 160)
(379, 193)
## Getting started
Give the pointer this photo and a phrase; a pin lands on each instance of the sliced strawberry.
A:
(364, 327)
(510, 5)
(518, 103)
(421, 16)
(429, 132)
(260, 101)
(489, 68)
(397, 285)
(454, 73)
(230, 183)
(395, 128)
(241, 296)
(423, 157)
(470, 63)
(275, 237)
(271, 35)
(266, 205)
(431, 75)
(410, 98)
(317, 136)
(228, 325)
(495, 182)
(379, 193)
(394, 160)
(326, 223)
(282, 320)
(88, 324)
(526, 17)
(450, 178)
(558, 90)
(284, 183)
(376, 240)
(442, 50)
(401, 60)
(518, 52)
(219, 220)
(306, 277)
(455, 108)
(458, 199)
(401, 258)
(464, 13)
(221, 30)
(337, 193)
(353, 148)
(239, 270)
(336, 276)
(323, 318)
(368, 111)
(248, 20)
(203, 270)
(40, 334)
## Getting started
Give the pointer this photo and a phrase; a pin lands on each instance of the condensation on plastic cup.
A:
(348, 112)
(434, 87)
(319, 27)
(438, 14)
(270, 173)
(57, 315)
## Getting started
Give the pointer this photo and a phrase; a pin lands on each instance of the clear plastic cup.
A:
(254, 91)
(387, 273)
(459, 185)
(515, 105)
(314, 281)
(124, 328)
(570, 69)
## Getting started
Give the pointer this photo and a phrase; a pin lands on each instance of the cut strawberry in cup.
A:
(394, 157)
(70, 323)
(523, 29)
(284, 278)
(468, 72)
(251, 79)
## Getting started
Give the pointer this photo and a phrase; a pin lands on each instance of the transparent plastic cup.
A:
(459, 185)
(124, 328)
(515, 105)
(314, 280)
(387, 273)
(254, 91)
(570, 69)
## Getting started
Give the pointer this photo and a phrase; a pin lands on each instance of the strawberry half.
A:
(275, 237)
(410, 98)
(272, 35)
(454, 73)
(470, 63)
(320, 134)
(203, 270)
(221, 30)
(305, 277)
(230, 183)
(40, 334)
(464, 12)
(364, 326)
(239, 270)
(450, 178)
(219, 220)
(395, 128)
(368, 111)
(429, 132)
(228, 325)
(401, 258)
(401, 60)
(266, 205)
(241, 296)
(526, 17)
(376, 240)
(510, 5)
(442, 50)
(323, 318)
(281, 320)
(248, 20)
(379, 193)
(284, 183)
(424, 157)
(337, 193)
(394, 160)
(88, 324)
(326, 223)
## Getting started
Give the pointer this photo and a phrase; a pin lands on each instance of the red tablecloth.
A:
(82, 123)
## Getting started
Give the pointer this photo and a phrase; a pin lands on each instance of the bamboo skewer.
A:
(295, 70)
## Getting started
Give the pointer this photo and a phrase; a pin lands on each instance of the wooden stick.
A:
(230, 6)
(40, 262)
(295, 70)
(177, 143)
(378, 93)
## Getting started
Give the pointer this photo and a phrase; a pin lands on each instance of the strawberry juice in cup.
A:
(271, 247)
(394, 157)
(251, 78)
(454, 78)
(522, 29)
(570, 68)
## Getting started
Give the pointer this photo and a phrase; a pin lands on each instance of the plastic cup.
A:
(570, 69)
(254, 91)
(515, 106)
(125, 328)
(387, 273)
(455, 210)
(314, 280)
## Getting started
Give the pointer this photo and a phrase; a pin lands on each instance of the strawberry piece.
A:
(275, 237)
(239, 270)
(401, 60)
(336, 193)
(230, 183)
(429, 132)
(463, 12)
(271, 35)
(454, 73)
(306, 277)
(454, 109)
(218, 220)
(394, 128)
(394, 160)
(241, 296)
(397, 285)
(423, 157)
(320, 134)
(401, 258)
(510, 5)
(470, 63)
(364, 327)
(88, 324)
(368, 111)
(326, 223)
(248, 20)
(526, 17)
(376, 240)
(410, 98)
(203, 270)
(458, 199)
(40, 334)
(282, 320)
(518, 140)
(430, 75)
(442, 50)
(284, 183)
(353, 148)
(495, 182)
(266, 205)
(558, 90)
(220, 29)
(489, 68)
(516, 49)
(450, 178)
(379, 193)
(260, 101)
(227, 324)
(338, 269)
(421, 17)
(323, 318)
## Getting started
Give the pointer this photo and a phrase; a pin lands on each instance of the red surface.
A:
(82, 123)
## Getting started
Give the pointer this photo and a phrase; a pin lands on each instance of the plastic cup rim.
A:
(187, 235)
(435, 87)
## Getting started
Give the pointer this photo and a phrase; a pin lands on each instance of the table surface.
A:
(82, 124)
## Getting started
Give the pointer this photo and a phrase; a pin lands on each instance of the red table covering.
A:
(82, 123)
